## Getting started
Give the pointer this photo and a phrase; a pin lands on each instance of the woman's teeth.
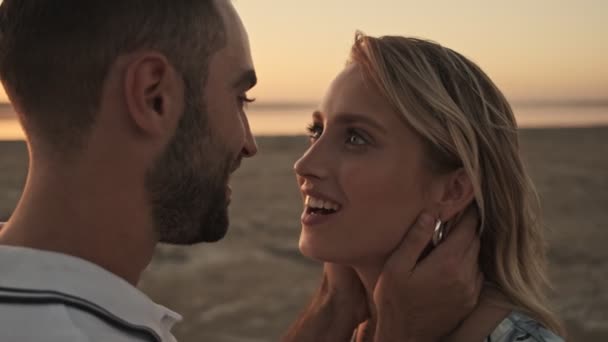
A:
(317, 204)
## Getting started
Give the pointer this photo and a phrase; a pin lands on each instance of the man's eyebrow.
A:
(247, 80)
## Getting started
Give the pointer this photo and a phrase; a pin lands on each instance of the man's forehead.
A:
(232, 21)
(237, 52)
(235, 57)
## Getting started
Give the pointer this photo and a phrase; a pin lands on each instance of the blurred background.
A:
(550, 58)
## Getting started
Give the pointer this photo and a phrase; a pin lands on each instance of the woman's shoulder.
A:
(521, 328)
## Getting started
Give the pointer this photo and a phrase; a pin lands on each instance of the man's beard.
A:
(187, 184)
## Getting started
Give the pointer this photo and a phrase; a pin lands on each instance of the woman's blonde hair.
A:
(465, 121)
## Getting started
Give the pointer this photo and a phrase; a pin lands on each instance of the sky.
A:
(541, 49)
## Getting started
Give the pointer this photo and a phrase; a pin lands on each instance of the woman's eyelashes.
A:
(352, 136)
(315, 130)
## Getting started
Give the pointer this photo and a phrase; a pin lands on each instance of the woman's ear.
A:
(455, 194)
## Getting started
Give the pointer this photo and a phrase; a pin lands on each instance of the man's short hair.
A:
(55, 54)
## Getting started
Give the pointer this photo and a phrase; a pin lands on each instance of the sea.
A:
(287, 119)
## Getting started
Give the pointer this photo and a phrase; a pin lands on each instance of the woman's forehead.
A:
(352, 92)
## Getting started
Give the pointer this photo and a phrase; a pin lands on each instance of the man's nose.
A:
(250, 148)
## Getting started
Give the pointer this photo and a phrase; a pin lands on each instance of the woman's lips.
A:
(311, 218)
(318, 208)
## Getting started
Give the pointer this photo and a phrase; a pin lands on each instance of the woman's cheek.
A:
(380, 213)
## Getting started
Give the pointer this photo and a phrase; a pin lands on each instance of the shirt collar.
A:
(37, 270)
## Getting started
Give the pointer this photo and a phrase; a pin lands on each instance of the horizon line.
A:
(310, 104)
(528, 103)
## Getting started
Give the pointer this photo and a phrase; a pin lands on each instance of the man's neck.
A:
(85, 219)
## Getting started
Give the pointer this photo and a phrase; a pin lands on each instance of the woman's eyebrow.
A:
(349, 118)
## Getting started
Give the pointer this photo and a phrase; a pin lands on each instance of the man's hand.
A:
(425, 300)
(335, 311)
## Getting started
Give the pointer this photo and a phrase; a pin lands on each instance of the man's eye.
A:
(314, 131)
(244, 101)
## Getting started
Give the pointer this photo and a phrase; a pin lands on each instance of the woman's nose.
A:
(313, 163)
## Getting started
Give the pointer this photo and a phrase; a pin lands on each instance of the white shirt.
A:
(47, 296)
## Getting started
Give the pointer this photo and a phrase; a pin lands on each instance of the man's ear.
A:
(455, 195)
(153, 93)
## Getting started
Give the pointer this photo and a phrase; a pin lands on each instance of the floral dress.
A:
(517, 327)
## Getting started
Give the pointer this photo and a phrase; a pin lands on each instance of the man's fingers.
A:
(470, 262)
(461, 234)
(471, 256)
(405, 256)
(479, 280)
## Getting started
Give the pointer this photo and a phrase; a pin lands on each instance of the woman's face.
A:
(367, 168)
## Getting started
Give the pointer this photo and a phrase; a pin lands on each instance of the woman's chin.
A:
(307, 249)
(315, 251)
(340, 253)
(322, 252)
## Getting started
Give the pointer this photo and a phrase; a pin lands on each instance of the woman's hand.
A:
(426, 300)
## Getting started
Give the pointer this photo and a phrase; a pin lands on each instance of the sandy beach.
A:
(250, 286)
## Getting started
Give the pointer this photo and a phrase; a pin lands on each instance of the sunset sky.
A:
(542, 49)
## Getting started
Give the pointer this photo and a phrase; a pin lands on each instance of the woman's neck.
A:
(368, 274)
(492, 308)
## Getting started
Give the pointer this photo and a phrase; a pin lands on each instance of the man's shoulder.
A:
(72, 295)
(57, 322)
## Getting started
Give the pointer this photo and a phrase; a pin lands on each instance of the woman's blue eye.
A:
(355, 138)
(314, 131)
